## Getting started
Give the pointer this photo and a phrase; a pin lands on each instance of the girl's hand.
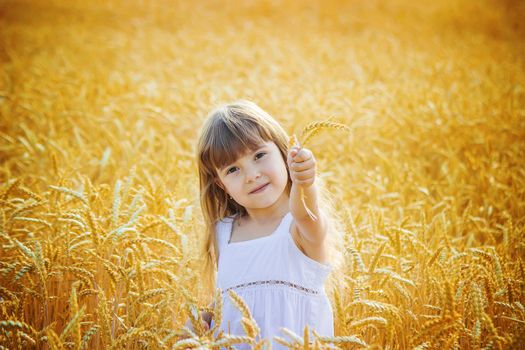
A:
(301, 163)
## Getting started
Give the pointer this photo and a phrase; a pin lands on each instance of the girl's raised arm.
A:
(301, 163)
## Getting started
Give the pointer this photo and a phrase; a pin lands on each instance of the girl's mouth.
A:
(260, 189)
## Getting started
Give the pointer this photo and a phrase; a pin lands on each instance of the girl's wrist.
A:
(297, 206)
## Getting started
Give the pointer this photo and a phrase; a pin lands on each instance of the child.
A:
(260, 237)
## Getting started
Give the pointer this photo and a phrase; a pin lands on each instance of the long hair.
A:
(228, 132)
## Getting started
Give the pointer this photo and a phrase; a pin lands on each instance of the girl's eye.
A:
(229, 171)
(260, 155)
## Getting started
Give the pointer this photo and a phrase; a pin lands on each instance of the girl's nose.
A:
(252, 174)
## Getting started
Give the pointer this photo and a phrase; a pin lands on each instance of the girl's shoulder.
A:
(227, 219)
(223, 229)
(224, 221)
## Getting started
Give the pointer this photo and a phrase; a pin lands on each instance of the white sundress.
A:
(281, 286)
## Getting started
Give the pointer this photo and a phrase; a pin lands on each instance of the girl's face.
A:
(257, 179)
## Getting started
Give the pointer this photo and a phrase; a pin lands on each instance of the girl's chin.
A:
(261, 203)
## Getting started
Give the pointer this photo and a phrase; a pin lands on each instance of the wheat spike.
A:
(189, 343)
(313, 128)
(250, 327)
(339, 310)
(81, 273)
(376, 257)
(92, 223)
(30, 194)
(297, 340)
(359, 265)
(116, 204)
(129, 183)
(349, 339)
(151, 294)
(217, 311)
(229, 339)
(76, 317)
(54, 341)
(10, 325)
(195, 318)
(10, 188)
(70, 192)
(140, 278)
(104, 319)
(240, 304)
(367, 321)
(125, 338)
(306, 338)
(263, 344)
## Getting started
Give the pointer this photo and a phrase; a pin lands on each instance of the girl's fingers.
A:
(292, 152)
(310, 163)
(299, 154)
(303, 155)
(307, 182)
(305, 175)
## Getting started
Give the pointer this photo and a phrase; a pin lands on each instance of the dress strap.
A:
(222, 231)
(284, 226)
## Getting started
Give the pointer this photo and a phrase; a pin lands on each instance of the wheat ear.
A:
(313, 128)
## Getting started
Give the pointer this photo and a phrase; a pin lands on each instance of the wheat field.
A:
(100, 106)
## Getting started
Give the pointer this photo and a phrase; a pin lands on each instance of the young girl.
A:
(261, 239)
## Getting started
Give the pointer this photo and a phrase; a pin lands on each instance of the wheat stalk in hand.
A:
(313, 128)
(306, 134)
(294, 142)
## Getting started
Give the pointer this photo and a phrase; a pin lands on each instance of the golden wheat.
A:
(314, 128)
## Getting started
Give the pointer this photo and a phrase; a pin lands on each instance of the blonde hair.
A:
(228, 131)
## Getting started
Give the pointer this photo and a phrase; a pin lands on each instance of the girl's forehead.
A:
(262, 145)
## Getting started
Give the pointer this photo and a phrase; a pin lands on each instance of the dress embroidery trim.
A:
(274, 282)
